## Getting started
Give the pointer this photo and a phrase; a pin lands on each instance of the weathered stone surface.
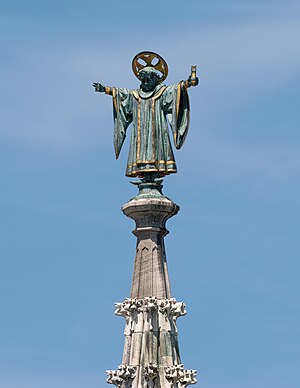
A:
(150, 276)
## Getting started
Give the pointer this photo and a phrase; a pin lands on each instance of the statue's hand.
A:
(98, 87)
(193, 81)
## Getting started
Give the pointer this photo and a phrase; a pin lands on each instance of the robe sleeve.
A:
(122, 112)
(175, 103)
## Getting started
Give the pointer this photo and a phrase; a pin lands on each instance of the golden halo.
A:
(146, 58)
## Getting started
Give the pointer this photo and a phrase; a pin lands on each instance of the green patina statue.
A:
(149, 109)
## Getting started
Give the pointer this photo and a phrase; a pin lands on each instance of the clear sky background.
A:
(67, 250)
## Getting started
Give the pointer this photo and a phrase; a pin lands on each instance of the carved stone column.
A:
(150, 275)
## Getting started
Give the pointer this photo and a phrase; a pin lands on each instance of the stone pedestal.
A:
(151, 353)
(150, 275)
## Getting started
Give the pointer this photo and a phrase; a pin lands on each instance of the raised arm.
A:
(101, 88)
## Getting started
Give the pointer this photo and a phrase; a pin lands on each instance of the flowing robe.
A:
(150, 148)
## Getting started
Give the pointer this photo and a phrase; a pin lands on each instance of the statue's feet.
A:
(150, 177)
(150, 186)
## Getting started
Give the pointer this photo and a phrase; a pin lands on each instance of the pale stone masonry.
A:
(150, 275)
(151, 355)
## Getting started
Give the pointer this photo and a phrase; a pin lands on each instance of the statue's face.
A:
(149, 80)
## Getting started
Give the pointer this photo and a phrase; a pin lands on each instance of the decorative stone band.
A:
(150, 314)
(150, 212)
(179, 377)
(175, 375)
(122, 377)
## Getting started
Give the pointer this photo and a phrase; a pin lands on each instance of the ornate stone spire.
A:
(151, 355)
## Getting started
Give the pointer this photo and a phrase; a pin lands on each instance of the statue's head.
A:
(149, 78)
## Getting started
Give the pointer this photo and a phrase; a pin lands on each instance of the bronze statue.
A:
(150, 108)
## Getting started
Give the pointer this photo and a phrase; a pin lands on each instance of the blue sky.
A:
(66, 249)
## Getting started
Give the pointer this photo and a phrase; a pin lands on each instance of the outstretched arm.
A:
(101, 88)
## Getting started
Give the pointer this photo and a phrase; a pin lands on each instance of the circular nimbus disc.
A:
(148, 58)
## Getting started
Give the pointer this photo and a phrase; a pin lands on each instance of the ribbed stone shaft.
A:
(150, 275)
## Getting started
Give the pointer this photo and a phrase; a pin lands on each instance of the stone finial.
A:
(177, 309)
(172, 308)
(150, 303)
(151, 372)
(173, 373)
(151, 307)
(180, 377)
(114, 378)
(128, 307)
(164, 306)
(188, 377)
(124, 374)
